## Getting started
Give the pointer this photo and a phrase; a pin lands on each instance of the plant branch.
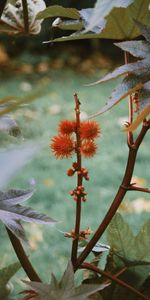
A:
(79, 181)
(115, 279)
(25, 15)
(25, 263)
(130, 105)
(118, 198)
(2, 6)
(138, 188)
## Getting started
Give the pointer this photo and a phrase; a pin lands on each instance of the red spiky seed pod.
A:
(89, 130)
(62, 146)
(67, 127)
(88, 148)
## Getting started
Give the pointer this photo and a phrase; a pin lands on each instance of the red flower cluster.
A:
(64, 145)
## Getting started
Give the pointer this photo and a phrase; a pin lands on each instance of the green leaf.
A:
(119, 24)
(11, 212)
(129, 250)
(58, 11)
(67, 24)
(5, 275)
(101, 10)
(121, 238)
(63, 290)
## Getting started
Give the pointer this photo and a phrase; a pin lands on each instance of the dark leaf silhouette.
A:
(11, 212)
(63, 290)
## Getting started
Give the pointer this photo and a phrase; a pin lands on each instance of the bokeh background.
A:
(51, 74)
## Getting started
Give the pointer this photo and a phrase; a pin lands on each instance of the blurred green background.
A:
(54, 74)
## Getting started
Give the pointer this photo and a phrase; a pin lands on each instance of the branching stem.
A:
(118, 198)
(115, 279)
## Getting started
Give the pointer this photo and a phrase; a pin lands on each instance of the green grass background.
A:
(51, 196)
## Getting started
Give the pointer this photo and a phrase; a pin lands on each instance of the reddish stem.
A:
(79, 182)
(25, 263)
(118, 198)
(115, 279)
(130, 105)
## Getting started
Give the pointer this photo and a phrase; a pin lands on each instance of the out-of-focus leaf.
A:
(139, 119)
(13, 17)
(119, 24)
(101, 10)
(58, 11)
(63, 290)
(11, 212)
(8, 124)
(145, 30)
(5, 275)
(13, 159)
(98, 248)
(67, 24)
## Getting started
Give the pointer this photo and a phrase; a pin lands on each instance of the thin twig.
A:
(25, 15)
(25, 263)
(2, 6)
(115, 279)
(79, 181)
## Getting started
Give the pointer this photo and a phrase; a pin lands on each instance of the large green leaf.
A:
(5, 275)
(11, 212)
(63, 290)
(119, 24)
(129, 250)
(60, 11)
(97, 22)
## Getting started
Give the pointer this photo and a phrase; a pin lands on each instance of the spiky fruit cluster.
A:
(64, 145)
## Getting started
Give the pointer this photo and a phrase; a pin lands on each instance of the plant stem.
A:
(25, 16)
(130, 105)
(118, 198)
(2, 6)
(25, 263)
(115, 279)
(79, 181)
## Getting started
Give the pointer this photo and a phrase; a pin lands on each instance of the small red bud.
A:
(70, 172)
(71, 193)
(84, 199)
(75, 198)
